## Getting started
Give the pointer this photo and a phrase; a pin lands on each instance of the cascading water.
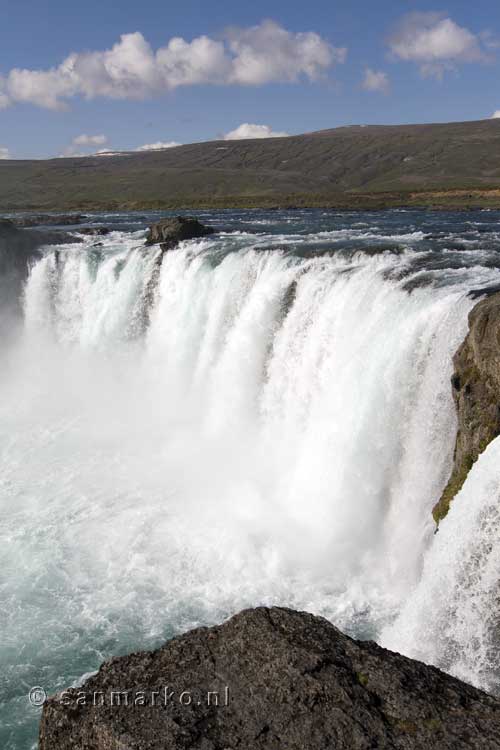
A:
(453, 617)
(252, 418)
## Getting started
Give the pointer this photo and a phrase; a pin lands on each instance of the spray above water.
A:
(276, 442)
(452, 619)
(225, 427)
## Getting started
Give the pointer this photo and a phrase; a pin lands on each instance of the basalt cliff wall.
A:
(476, 392)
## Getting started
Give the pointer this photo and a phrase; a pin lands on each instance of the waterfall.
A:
(452, 618)
(283, 422)
(235, 422)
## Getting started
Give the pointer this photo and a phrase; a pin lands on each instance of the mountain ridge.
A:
(354, 166)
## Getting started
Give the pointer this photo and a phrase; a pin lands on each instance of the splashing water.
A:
(452, 619)
(225, 425)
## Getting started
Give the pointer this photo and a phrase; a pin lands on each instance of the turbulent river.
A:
(263, 416)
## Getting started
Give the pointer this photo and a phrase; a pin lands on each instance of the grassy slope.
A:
(455, 164)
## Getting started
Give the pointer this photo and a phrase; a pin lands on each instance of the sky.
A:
(100, 76)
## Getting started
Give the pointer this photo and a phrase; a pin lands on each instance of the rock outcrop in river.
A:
(169, 232)
(476, 391)
(269, 678)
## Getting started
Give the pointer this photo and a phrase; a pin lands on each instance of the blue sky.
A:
(65, 87)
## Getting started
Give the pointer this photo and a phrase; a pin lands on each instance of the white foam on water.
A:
(452, 618)
(273, 429)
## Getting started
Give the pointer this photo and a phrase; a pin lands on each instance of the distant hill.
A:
(441, 164)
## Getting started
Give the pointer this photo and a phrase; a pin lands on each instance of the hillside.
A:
(442, 164)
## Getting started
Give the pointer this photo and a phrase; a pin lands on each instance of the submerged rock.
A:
(269, 678)
(476, 392)
(169, 232)
(94, 231)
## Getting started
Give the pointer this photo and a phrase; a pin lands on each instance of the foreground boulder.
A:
(476, 391)
(269, 678)
(169, 232)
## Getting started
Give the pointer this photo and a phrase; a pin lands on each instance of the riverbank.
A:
(460, 199)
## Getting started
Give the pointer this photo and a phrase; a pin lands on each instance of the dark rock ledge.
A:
(476, 392)
(94, 231)
(283, 679)
(25, 241)
(48, 220)
(18, 248)
(169, 232)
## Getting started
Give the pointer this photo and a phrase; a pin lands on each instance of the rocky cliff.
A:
(18, 247)
(476, 391)
(269, 678)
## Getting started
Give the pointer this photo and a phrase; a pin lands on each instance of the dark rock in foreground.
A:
(169, 232)
(476, 391)
(283, 679)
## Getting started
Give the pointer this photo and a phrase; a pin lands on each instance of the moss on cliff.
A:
(476, 392)
(453, 487)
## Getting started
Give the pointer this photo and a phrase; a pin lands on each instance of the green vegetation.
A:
(453, 165)
(408, 727)
(439, 200)
(453, 487)
(362, 678)
(433, 724)
(458, 477)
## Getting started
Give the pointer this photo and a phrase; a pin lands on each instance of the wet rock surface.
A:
(169, 232)
(94, 231)
(282, 679)
(15, 238)
(476, 391)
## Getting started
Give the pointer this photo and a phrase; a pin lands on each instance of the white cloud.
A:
(158, 146)
(131, 69)
(86, 142)
(89, 140)
(4, 153)
(490, 40)
(376, 80)
(436, 43)
(495, 115)
(248, 130)
(268, 52)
